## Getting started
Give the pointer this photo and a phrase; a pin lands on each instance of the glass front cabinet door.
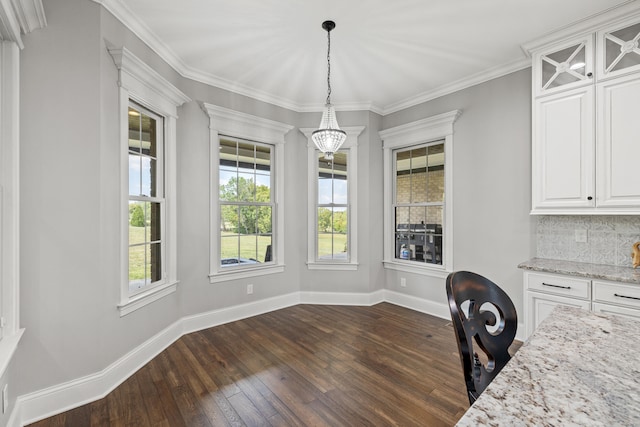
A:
(619, 50)
(564, 66)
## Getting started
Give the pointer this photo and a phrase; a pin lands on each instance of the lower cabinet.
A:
(544, 291)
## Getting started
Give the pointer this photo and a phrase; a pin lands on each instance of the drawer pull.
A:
(556, 286)
(625, 296)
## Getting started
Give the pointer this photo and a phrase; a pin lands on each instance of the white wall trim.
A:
(56, 399)
(121, 12)
(351, 146)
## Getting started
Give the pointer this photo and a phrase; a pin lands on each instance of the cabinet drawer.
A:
(559, 285)
(617, 293)
(618, 311)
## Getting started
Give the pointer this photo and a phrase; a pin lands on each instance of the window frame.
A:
(10, 331)
(234, 124)
(254, 203)
(141, 84)
(350, 146)
(428, 130)
(158, 198)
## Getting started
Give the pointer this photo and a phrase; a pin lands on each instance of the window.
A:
(148, 115)
(418, 169)
(247, 194)
(146, 199)
(245, 202)
(332, 209)
(419, 202)
(332, 234)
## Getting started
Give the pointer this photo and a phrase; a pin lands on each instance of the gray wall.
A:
(493, 231)
(70, 199)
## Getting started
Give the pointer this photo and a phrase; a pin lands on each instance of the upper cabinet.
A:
(564, 65)
(620, 52)
(586, 120)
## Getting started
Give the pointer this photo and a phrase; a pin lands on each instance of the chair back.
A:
(485, 323)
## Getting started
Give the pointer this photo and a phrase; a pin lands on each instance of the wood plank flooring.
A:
(305, 365)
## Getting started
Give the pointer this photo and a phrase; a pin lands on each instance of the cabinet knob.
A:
(589, 198)
(589, 74)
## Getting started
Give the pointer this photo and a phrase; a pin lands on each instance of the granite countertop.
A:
(578, 369)
(583, 269)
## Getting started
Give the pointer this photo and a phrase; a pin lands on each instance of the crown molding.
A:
(587, 25)
(145, 82)
(242, 125)
(30, 14)
(464, 83)
(19, 17)
(420, 130)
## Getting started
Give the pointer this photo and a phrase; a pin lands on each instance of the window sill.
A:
(140, 300)
(225, 276)
(8, 346)
(425, 270)
(340, 266)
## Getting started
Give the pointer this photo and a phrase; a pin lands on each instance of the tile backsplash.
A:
(609, 238)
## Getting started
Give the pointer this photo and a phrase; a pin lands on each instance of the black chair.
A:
(483, 338)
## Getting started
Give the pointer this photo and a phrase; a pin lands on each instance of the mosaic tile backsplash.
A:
(609, 238)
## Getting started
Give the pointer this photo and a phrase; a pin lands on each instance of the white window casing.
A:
(10, 332)
(351, 147)
(235, 124)
(439, 127)
(140, 83)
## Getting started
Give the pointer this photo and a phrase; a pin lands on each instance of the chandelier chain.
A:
(329, 67)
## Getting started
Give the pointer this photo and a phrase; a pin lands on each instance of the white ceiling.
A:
(385, 55)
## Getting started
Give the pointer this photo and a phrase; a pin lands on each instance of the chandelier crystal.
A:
(329, 137)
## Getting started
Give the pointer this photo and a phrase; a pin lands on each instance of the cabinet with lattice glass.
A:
(585, 126)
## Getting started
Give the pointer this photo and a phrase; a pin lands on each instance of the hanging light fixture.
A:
(329, 137)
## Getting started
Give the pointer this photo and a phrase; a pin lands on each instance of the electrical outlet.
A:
(403, 282)
(5, 398)
(581, 236)
(249, 289)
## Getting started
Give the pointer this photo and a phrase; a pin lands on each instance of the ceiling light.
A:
(329, 137)
(577, 66)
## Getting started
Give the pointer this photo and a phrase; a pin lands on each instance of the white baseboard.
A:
(418, 304)
(44, 403)
(342, 298)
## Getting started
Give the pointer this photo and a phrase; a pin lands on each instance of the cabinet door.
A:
(538, 306)
(563, 66)
(563, 151)
(619, 143)
(619, 50)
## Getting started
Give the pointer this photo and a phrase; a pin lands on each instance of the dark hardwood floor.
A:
(305, 365)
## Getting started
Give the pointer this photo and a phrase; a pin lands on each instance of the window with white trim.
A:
(332, 208)
(332, 205)
(146, 199)
(148, 116)
(246, 203)
(418, 194)
(419, 202)
(247, 194)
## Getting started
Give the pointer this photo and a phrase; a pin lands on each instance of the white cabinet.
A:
(563, 174)
(544, 291)
(564, 65)
(585, 147)
(616, 298)
(619, 142)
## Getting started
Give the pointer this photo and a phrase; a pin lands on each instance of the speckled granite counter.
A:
(578, 369)
(583, 269)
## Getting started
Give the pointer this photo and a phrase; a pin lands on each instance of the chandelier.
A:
(329, 137)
